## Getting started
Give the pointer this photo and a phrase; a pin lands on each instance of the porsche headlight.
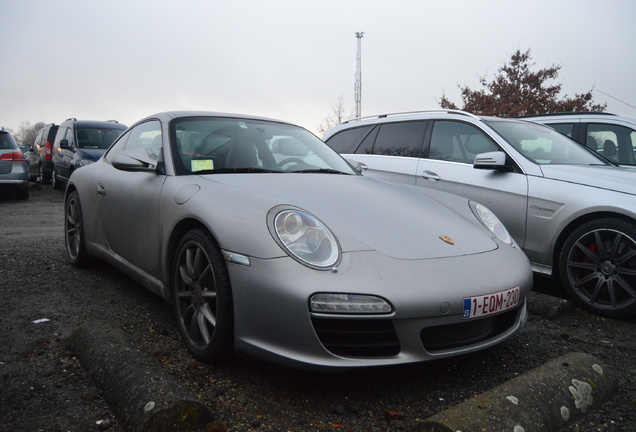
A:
(306, 239)
(492, 222)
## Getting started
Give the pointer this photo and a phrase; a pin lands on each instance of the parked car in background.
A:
(79, 143)
(610, 135)
(572, 212)
(267, 242)
(14, 172)
(40, 154)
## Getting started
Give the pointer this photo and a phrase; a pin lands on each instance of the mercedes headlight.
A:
(492, 222)
(305, 238)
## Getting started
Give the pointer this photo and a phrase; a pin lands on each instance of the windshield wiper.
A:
(243, 170)
(322, 171)
(251, 170)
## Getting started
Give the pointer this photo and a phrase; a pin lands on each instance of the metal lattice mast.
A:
(358, 84)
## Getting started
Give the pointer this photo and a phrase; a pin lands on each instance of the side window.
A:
(366, 147)
(347, 141)
(400, 139)
(118, 146)
(146, 136)
(459, 142)
(68, 135)
(615, 142)
(63, 133)
(566, 129)
(38, 139)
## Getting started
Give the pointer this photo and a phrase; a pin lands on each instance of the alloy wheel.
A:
(202, 297)
(601, 269)
(74, 231)
(196, 294)
(73, 227)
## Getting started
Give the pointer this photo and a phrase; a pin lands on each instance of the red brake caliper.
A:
(593, 248)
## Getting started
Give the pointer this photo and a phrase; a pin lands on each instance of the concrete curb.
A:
(142, 396)
(548, 306)
(545, 399)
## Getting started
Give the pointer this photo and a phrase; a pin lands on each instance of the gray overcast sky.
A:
(292, 59)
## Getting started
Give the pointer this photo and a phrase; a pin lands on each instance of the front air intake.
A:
(357, 337)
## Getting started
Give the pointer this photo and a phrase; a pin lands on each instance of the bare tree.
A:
(338, 115)
(516, 91)
(26, 132)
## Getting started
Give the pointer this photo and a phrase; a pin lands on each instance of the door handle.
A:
(429, 175)
(101, 190)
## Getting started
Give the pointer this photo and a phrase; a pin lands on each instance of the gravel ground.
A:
(43, 387)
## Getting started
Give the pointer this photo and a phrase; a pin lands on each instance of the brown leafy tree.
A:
(518, 91)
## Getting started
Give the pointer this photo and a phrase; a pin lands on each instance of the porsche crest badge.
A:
(447, 240)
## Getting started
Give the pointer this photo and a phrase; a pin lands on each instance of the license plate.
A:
(490, 304)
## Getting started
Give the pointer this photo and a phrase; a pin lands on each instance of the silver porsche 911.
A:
(267, 242)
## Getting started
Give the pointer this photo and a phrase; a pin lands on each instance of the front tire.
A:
(74, 231)
(202, 297)
(598, 267)
(57, 183)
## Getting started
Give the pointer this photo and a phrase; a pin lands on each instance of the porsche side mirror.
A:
(357, 165)
(134, 160)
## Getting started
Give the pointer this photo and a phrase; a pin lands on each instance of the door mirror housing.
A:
(65, 145)
(357, 165)
(491, 160)
(135, 160)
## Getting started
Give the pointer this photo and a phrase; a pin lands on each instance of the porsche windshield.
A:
(209, 145)
(544, 145)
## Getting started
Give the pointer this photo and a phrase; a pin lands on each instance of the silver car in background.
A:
(14, 171)
(612, 136)
(572, 213)
(267, 242)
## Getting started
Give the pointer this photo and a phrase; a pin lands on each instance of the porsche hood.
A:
(366, 214)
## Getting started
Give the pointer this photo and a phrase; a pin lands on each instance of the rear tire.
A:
(598, 267)
(74, 231)
(202, 297)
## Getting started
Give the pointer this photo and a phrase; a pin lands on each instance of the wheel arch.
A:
(221, 343)
(177, 233)
(569, 229)
(70, 188)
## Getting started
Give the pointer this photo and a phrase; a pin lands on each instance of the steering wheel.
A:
(289, 160)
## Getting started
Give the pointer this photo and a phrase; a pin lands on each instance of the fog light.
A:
(348, 304)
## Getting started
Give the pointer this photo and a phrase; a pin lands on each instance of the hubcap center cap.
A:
(197, 295)
(607, 268)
